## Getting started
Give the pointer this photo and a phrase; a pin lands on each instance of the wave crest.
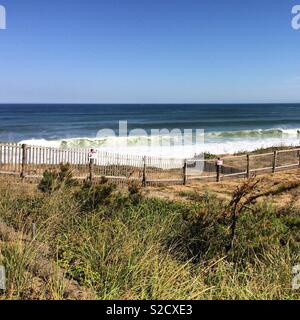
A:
(216, 142)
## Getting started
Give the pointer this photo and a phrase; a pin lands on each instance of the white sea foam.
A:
(222, 142)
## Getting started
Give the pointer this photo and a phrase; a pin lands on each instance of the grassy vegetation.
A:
(122, 245)
(263, 150)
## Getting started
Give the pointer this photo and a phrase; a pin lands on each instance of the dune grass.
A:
(122, 245)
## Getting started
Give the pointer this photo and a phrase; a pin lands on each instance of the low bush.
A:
(55, 180)
(92, 197)
(135, 192)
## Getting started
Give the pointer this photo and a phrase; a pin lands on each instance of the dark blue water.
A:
(228, 128)
(53, 122)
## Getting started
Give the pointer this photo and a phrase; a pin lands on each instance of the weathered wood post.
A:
(218, 172)
(248, 166)
(184, 175)
(144, 181)
(24, 160)
(219, 164)
(299, 158)
(274, 161)
(91, 165)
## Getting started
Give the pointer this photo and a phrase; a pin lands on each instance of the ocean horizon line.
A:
(149, 103)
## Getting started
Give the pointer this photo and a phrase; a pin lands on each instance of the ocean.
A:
(227, 128)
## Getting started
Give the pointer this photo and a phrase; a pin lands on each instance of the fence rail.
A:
(31, 161)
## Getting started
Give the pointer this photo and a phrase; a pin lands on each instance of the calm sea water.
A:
(228, 128)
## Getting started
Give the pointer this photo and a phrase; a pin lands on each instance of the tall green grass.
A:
(136, 247)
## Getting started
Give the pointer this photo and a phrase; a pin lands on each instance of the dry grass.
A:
(149, 248)
(224, 189)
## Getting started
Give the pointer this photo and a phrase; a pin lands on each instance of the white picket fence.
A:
(32, 161)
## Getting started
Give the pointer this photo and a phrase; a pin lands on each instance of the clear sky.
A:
(139, 51)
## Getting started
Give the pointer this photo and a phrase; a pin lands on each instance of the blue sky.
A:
(155, 51)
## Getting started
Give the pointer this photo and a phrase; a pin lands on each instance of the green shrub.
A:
(53, 180)
(135, 192)
(204, 232)
(49, 182)
(92, 197)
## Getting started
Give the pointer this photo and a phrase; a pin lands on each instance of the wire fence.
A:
(31, 161)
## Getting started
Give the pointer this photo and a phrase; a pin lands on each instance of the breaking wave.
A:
(216, 142)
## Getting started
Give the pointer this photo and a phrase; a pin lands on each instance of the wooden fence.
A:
(31, 161)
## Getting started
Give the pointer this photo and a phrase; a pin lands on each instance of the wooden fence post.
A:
(184, 172)
(218, 173)
(219, 164)
(248, 166)
(91, 166)
(274, 161)
(24, 160)
(144, 171)
(299, 158)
